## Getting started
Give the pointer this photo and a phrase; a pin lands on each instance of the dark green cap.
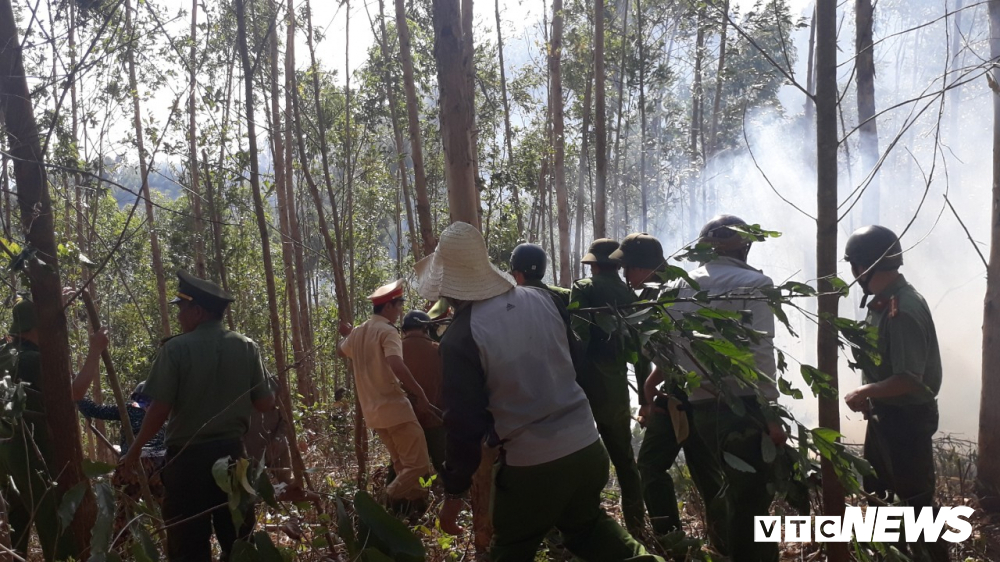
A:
(23, 317)
(600, 252)
(639, 250)
(201, 292)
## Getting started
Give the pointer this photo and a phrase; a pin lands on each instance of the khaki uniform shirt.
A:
(210, 377)
(383, 401)
(420, 353)
(907, 341)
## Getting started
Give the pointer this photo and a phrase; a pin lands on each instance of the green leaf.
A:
(345, 528)
(71, 501)
(100, 540)
(93, 469)
(737, 463)
(220, 471)
(145, 543)
(374, 555)
(265, 490)
(826, 434)
(767, 449)
(387, 531)
(265, 548)
(244, 552)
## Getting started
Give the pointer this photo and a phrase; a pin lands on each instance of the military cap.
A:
(600, 251)
(23, 316)
(201, 292)
(639, 250)
(388, 292)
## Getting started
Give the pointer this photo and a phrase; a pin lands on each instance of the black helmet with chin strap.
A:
(874, 248)
(869, 249)
(725, 240)
(415, 319)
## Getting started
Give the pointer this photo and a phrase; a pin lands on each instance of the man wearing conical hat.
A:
(208, 381)
(509, 376)
(604, 376)
(381, 380)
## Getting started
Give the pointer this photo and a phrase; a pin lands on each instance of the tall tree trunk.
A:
(154, 240)
(643, 190)
(600, 126)
(559, 141)
(215, 218)
(397, 134)
(469, 65)
(622, 77)
(988, 465)
(456, 118)
(826, 244)
(719, 79)
(195, 195)
(956, 60)
(697, 101)
(810, 106)
(265, 242)
(281, 180)
(583, 178)
(413, 121)
(46, 288)
(307, 365)
(507, 133)
(868, 130)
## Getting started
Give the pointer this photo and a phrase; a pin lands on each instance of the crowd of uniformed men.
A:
(515, 369)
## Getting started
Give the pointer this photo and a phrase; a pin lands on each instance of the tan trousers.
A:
(408, 451)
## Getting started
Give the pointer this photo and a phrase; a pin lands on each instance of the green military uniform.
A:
(25, 482)
(561, 292)
(898, 441)
(605, 373)
(210, 377)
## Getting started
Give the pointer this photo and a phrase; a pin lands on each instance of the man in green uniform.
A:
(605, 371)
(527, 267)
(25, 481)
(898, 397)
(208, 381)
(641, 255)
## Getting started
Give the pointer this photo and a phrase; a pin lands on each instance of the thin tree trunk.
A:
(195, 195)
(265, 241)
(46, 288)
(154, 241)
(988, 464)
(559, 141)
(810, 106)
(413, 120)
(213, 213)
(643, 191)
(719, 79)
(826, 245)
(868, 130)
(397, 133)
(281, 179)
(456, 119)
(697, 100)
(306, 367)
(507, 132)
(600, 126)
(469, 64)
(582, 178)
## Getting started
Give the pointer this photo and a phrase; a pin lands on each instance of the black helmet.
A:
(871, 245)
(529, 259)
(723, 239)
(415, 319)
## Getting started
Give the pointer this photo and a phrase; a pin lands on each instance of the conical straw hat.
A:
(460, 268)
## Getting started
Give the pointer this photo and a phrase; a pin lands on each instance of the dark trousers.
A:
(30, 496)
(657, 454)
(899, 446)
(195, 504)
(529, 501)
(615, 427)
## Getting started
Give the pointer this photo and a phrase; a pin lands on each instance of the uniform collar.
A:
(378, 318)
(209, 325)
(886, 296)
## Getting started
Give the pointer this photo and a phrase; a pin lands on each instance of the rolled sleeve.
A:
(392, 344)
(466, 400)
(163, 382)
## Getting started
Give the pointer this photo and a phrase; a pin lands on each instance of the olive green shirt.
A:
(606, 371)
(907, 341)
(210, 377)
(560, 292)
